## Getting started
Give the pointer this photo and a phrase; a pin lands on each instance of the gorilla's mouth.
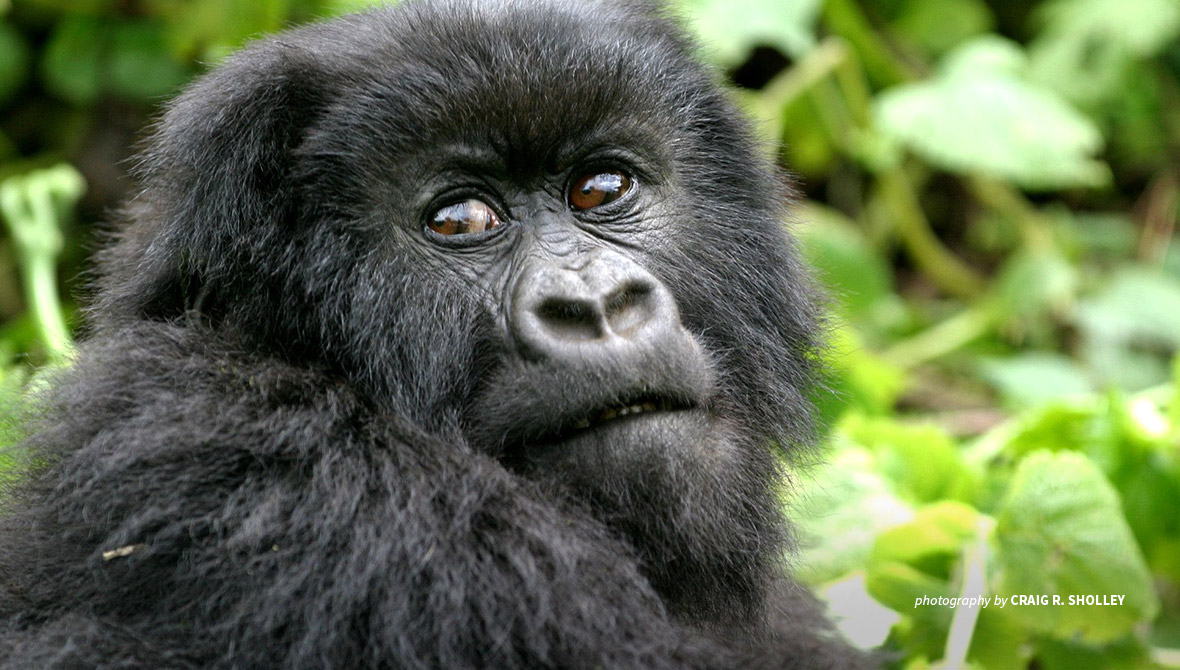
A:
(532, 412)
(614, 414)
(633, 408)
(610, 431)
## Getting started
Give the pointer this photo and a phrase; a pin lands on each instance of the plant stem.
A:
(940, 339)
(935, 261)
(846, 19)
(958, 640)
(34, 205)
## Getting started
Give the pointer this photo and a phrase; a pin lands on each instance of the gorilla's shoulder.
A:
(176, 386)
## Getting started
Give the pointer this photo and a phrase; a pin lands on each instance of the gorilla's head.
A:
(536, 229)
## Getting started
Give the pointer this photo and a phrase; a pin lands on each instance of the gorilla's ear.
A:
(218, 191)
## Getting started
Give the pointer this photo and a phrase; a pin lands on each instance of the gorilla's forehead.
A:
(521, 78)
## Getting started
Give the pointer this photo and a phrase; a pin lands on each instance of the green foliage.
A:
(914, 559)
(1048, 503)
(936, 26)
(1060, 531)
(87, 57)
(1006, 419)
(1126, 321)
(1087, 47)
(790, 26)
(1035, 377)
(1002, 409)
(34, 207)
(978, 115)
(14, 61)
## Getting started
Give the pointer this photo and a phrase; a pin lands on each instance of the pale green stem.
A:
(958, 640)
(34, 205)
(941, 339)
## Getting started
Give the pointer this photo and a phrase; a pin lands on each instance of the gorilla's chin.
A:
(684, 489)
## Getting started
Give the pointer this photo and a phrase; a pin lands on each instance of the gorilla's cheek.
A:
(413, 337)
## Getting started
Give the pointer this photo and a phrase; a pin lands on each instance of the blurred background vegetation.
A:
(988, 188)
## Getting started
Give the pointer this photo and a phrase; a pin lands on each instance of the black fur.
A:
(302, 433)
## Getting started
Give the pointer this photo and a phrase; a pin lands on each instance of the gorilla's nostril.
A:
(570, 319)
(628, 308)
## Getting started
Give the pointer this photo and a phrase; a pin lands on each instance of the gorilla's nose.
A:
(605, 304)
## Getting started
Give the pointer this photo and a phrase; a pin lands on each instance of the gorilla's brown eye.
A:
(462, 218)
(593, 190)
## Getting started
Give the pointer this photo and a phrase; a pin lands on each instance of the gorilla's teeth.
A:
(637, 409)
(615, 412)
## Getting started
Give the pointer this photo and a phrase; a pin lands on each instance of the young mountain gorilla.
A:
(453, 335)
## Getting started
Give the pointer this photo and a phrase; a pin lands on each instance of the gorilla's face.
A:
(545, 217)
(542, 233)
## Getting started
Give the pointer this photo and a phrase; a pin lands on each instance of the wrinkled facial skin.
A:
(453, 334)
(599, 303)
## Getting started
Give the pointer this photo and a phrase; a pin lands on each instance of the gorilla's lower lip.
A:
(633, 422)
(622, 438)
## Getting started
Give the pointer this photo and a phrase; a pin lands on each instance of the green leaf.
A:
(998, 640)
(847, 264)
(938, 25)
(1065, 426)
(922, 560)
(1035, 283)
(915, 560)
(1130, 443)
(932, 540)
(14, 61)
(1033, 378)
(1137, 303)
(1144, 27)
(141, 65)
(1130, 328)
(921, 461)
(72, 66)
(1085, 72)
(838, 510)
(1060, 531)
(978, 116)
(898, 586)
(731, 28)
(1088, 47)
(1128, 652)
(988, 55)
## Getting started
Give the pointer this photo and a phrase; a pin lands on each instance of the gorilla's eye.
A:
(597, 189)
(463, 218)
